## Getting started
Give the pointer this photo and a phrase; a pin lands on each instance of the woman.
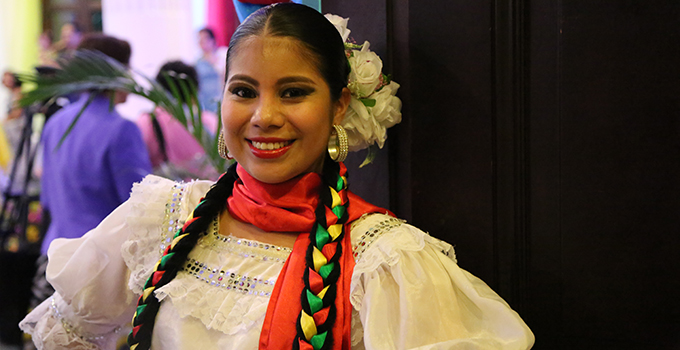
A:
(278, 254)
(173, 151)
(210, 68)
(14, 129)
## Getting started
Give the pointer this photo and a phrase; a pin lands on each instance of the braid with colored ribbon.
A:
(314, 326)
(174, 257)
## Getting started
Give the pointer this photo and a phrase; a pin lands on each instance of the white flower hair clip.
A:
(374, 106)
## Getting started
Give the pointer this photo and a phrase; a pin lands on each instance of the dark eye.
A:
(295, 92)
(243, 92)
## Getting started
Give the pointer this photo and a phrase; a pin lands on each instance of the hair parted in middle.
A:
(314, 32)
(320, 37)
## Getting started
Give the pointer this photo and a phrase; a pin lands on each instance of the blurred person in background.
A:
(13, 84)
(92, 171)
(173, 150)
(69, 40)
(13, 125)
(47, 55)
(210, 67)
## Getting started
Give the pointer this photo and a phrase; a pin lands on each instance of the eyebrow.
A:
(286, 80)
(295, 79)
(245, 78)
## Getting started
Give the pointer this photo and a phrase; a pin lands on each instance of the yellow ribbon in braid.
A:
(322, 266)
(335, 231)
(176, 240)
(336, 198)
(308, 325)
(319, 259)
(149, 290)
(307, 322)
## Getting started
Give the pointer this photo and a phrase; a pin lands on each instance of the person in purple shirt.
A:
(92, 172)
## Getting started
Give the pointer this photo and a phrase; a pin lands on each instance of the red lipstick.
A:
(269, 153)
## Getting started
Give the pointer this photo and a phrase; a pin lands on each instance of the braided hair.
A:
(325, 44)
(317, 317)
(175, 255)
(321, 274)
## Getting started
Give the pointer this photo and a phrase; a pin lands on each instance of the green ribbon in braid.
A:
(174, 257)
(322, 273)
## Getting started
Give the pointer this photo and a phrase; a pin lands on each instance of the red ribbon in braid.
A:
(290, 207)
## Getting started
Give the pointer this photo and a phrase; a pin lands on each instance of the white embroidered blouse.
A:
(407, 290)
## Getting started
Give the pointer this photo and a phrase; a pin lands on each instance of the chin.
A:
(269, 173)
(273, 177)
(278, 170)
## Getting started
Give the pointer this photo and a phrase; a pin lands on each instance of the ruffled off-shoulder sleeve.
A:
(411, 294)
(97, 276)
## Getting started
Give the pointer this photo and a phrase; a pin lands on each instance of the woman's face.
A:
(8, 80)
(206, 42)
(277, 109)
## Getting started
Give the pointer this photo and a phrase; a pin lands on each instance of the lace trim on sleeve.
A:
(158, 211)
(50, 328)
(69, 328)
(369, 235)
(379, 239)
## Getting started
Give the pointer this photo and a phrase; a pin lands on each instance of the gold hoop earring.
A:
(222, 147)
(338, 146)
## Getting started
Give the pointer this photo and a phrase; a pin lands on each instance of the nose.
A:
(268, 113)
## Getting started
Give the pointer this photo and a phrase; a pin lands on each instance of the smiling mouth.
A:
(270, 146)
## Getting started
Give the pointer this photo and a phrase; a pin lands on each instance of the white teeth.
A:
(270, 145)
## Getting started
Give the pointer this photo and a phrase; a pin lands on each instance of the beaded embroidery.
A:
(173, 215)
(372, 234)
(243, 247)
(71, 330)
(230, 280)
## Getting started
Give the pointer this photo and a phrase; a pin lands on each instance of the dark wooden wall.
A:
(542, 139)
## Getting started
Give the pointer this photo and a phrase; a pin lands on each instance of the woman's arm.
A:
(411, 294)
(94, 275)
(92, 303)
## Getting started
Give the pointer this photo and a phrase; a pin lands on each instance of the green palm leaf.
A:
(94, 72)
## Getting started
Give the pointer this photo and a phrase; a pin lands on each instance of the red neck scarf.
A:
(290, 207)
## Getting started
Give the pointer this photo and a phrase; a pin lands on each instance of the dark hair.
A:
(212, 205)
(305, 24)
(17, 81)
(175, 71)
(113, 47)
(175, 256)
(321, 38)
(208, 31)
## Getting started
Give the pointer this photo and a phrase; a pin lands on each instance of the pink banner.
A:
(222, 20)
